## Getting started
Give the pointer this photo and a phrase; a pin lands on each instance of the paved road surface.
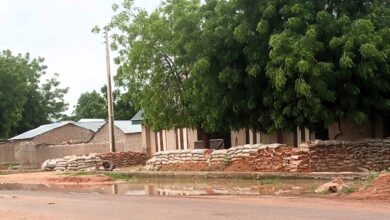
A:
(52, 205)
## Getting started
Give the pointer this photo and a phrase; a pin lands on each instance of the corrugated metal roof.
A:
(93, 126)
(139, 117)
(91, 120)
(128, 127)
(40, 130)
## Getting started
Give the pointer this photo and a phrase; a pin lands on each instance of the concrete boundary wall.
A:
(31, 153)
(7, 153)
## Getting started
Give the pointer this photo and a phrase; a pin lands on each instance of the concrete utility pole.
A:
(109, 98)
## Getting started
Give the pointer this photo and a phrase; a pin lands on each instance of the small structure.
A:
(127, 136)
(69, 138)
(61, 132)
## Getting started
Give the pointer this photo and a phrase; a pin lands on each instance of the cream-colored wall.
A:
(133, 142)
(63, 134)
(170, 140)
(149, 140)
(238, 138)
(130, 142)
(7, 152)
(145, 140)
(268, 138)
(354, 131)
(287, 138)
(192, 137)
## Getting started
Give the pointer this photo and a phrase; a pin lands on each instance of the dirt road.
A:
(52, 205)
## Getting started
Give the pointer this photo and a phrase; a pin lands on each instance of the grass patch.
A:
(271, 181)
(119, 176)
(11, 166)
(372, 176)
(84, 173)
(114, 176)
(348, 190)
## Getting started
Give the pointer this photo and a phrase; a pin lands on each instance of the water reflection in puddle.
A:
(166, 188)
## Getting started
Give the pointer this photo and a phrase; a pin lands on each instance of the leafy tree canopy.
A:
(266, 65)
(25, 102)
(94, 105)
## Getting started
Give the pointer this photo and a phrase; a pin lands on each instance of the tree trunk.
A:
(205, 137)
(206, 140)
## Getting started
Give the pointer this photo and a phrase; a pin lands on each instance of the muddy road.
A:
(56, 205)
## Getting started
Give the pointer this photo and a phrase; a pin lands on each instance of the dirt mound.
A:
(240, 166)
(77, 179)
(379, 190)
(185, 167)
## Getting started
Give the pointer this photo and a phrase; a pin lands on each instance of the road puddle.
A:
(163, 187)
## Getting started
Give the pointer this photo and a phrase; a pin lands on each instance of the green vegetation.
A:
(25, 101)
(11, 166)
(113, 175)
(264, 65)
(270, 181)
(93, 105)
(372, 176)
(348, 190)
(119, 176)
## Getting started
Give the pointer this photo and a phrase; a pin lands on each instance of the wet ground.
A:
(178, 187)
(43, 196)
(56, 205)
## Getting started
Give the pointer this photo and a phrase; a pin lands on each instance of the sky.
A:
(60, 32)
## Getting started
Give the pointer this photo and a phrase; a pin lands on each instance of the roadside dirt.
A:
(239, 165)
(378, 190)
(185, 167)
(51, 178)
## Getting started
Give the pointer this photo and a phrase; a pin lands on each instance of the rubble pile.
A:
(123, 159)
(317, 156)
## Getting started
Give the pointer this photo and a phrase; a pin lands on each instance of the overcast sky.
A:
(60, 32)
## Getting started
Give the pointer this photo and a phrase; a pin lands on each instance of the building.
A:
(69, 138)
(127, 136)
(188, 138)
(61, 132)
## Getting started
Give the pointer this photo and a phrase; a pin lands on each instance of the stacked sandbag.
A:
(72, 163)
(218, 156)
(122, 159)
(199, 155)
(317, 156)
(61, 164)
(362, 155)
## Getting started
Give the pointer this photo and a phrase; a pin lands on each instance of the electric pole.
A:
(109, 98)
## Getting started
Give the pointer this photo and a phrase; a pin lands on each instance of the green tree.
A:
(265, 65)
(329, 61)
(91, 105)
(25, 103)
(14, 71)
(124, 108)
(45, 103)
